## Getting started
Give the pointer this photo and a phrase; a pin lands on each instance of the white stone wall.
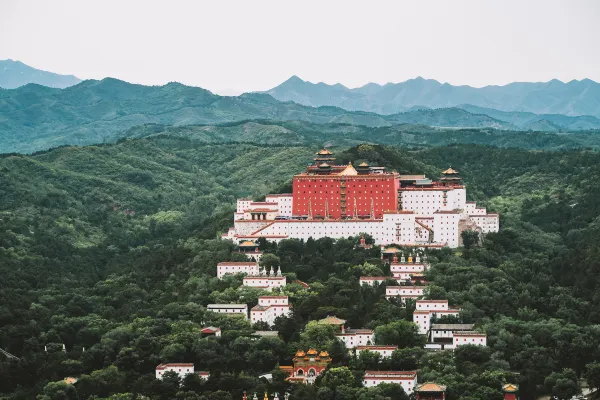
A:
(275, 307)
(404, 291)
(423, 320)
(223, 268)
(488, 222)
(181, 369)
(265, 282)
(370, 280)
(232, 310)
(431, 305)
(285, 203)
(352, 340)
(383, 351)
(408, 384)
(477, 340)
(243, 205)
(445, 228)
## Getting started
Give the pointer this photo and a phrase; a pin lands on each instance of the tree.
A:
(592, 375)
(562, 385)
(337, 376)
(469, 238)
(269, 261)
(317, 336)
(400, 333)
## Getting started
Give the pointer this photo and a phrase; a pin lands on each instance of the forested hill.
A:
(35, 117)
(113, 249)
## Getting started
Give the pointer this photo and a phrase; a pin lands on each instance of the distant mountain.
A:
(539, 122)
(35, 117)
(554, 97)
(14, 74)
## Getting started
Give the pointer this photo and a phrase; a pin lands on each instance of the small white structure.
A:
(266, 280)
(404, 292)
(403, 271)
(445, 332)
(231, 309)
(475, 338)
(237, 267)
(182, 369)
(211, 331)
(372, 280)
(269, 308)
(406, 379)
(428, 310)
(204, 375)
(356, 337)
(383, 351)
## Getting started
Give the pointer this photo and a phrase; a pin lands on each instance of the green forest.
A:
(111, 250)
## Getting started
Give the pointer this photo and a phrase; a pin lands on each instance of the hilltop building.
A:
(269, 308)
(356, 337)
(441, 336)
(182, 369)
(429, 310)
(250, 249)
(229, 309)
(307, 366)
(406, 379)
(266, 280)
(430, 391)
(511, 391)
(237, 267)
(383, 351)
(211, 331)
(404, 292)
(338, 201)
(470, 337)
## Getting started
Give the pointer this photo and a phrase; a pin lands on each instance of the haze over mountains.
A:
(36, 117)
(554, 97)
(14, 74)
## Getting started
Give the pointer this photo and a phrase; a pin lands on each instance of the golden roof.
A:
(323, 354)
(449, 171)
(363, 164)
(430, 387)
(332, 320)
(510, 387)
(349, 170)
(324, 152)
(70, 380)
(299, 353)
(247, 243)
(324, 165)
(311, 352)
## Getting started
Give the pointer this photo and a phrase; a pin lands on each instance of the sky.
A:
(230, 47)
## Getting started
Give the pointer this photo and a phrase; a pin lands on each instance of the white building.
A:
(356, 337)
(383, 351)
(474, 338)
(237, 267)
(406, 379)
(403, 271)
(372, 280)
(404, 292)
(269, 308)
(211, 331)
(441, 335)
(284, 203)
(231, 309)
(182, 369)
(266, 280)
(428, 310)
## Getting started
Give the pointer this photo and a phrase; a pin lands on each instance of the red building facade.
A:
(342, 191)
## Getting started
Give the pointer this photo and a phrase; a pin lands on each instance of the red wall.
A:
(383, 189)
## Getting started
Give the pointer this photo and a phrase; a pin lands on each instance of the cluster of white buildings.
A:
(341, 201)
(356, 337)
(255, 275)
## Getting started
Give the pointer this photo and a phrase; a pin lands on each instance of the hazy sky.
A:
(234, 46)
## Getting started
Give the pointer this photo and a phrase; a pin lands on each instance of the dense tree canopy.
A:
(111, 251)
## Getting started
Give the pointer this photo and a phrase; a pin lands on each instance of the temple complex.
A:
(339, 201)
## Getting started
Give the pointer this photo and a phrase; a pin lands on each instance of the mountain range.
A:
(35, 117)
(14, 74)
(574, 98)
